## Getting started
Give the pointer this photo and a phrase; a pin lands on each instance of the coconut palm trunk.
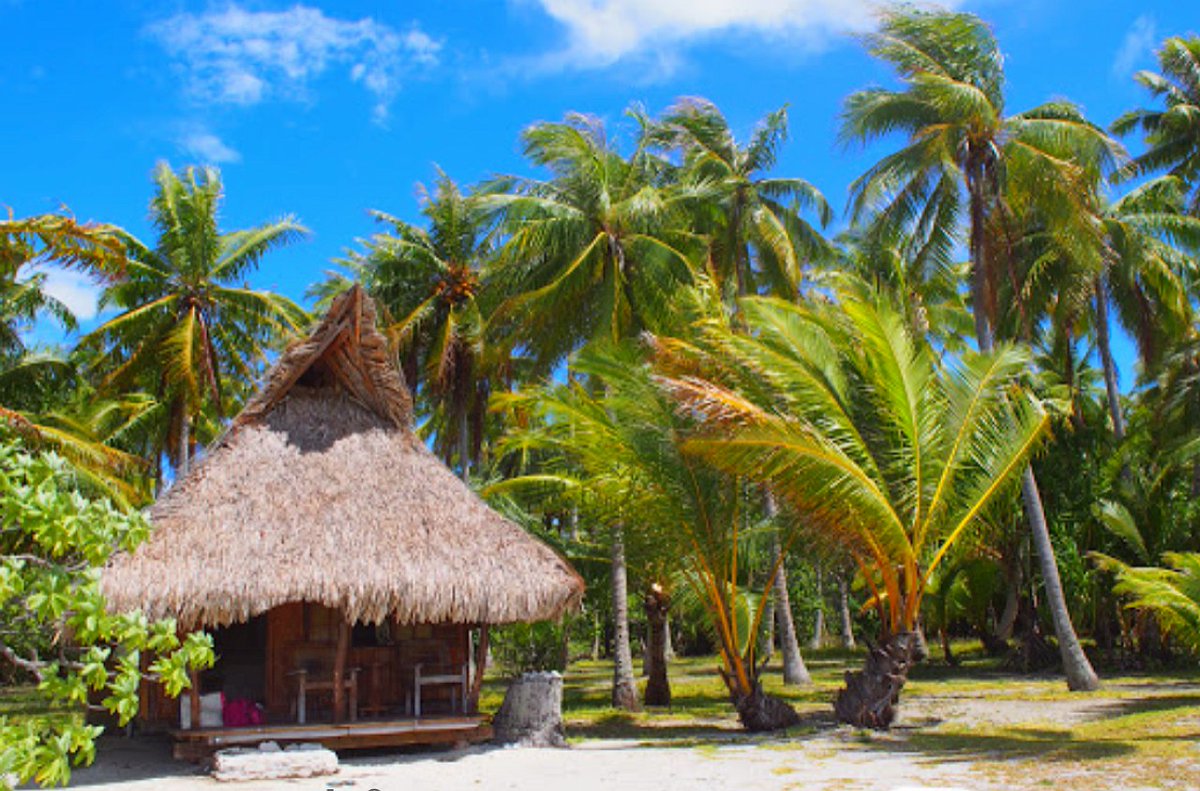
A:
(1080, 675)
(844, 612)
(183, 462)
(794, 670)
(658, 687)
(624, 691)
(1104, 345)
(818, 635)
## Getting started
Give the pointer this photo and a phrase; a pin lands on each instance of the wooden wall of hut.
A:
(304, 635)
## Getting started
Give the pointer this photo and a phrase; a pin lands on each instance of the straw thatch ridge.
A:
(321, 493)
(351, 352)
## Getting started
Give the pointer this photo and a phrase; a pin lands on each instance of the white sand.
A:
(816, 763)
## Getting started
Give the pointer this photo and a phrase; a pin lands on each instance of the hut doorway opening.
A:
(239, 674)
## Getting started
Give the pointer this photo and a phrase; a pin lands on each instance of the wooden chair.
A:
(455, 679)
(314, 674)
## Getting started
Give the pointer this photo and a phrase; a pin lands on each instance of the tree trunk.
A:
(183, 463)
(531, 714)
(947, 651)
(1104, 345)
(1080, 675)
(1079, 672)
(1012, 602)
(871, 695)
(844, 612)
(658, 686)
(760, 712)
(794, 671)
(818, 635)
(464, 446)
(624, 691)
(768, 642)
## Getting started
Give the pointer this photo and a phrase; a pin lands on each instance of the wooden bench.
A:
(304, 686)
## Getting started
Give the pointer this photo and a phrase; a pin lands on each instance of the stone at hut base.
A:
(531, 715)
(268, 762)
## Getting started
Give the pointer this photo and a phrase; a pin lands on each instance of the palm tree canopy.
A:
(875, 442)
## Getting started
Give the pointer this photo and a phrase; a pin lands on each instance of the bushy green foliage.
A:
(528, 647)
(53, 622)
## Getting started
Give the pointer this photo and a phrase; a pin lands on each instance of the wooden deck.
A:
(195, 745)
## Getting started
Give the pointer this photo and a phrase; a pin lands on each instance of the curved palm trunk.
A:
(624, 691)
(795, 673)
(1104, 344)
(794, 670)
(1079, 672)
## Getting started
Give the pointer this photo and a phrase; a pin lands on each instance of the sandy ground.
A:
(820, 757)
(594, 766)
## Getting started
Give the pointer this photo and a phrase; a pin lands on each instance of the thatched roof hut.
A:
(320, 492)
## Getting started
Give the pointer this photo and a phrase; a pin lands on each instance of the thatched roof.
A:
(320, 492)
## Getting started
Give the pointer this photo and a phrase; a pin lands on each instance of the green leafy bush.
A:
(528, 647)
(53, 540)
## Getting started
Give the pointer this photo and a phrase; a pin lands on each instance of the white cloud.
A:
(1138, 42)
(208, 148)
(77, 291)
(242, 57)
(602, 32)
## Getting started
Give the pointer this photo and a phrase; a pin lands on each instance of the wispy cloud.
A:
(77, 291)
(601, 33)
(207, 147)
(242, 57)
(1138, 42)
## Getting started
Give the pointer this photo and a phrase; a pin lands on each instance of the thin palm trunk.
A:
(844, 612)
(1109, 365)
(794, 669)
(818, 635)
(624, 691)
(464, 446)
(1079, 672)
(183, 463)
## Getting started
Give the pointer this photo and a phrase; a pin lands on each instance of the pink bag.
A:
(241, 713)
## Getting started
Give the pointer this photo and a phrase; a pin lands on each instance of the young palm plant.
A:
(189, 326)
(877, 445)
(625, 439)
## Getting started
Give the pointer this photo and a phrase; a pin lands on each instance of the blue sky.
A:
(326, 110)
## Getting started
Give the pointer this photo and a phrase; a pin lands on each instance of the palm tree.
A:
(625, 439)
(1172, 135)
(428, 282)
(878, 446)
(759, 238)
(965, 160)
(42, 396)
(1171, 593)
(596, 252)
(190, 328)
(1146, 276)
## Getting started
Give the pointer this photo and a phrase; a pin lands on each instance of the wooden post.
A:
(471, 706)
(194, 696)
(339, 668)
